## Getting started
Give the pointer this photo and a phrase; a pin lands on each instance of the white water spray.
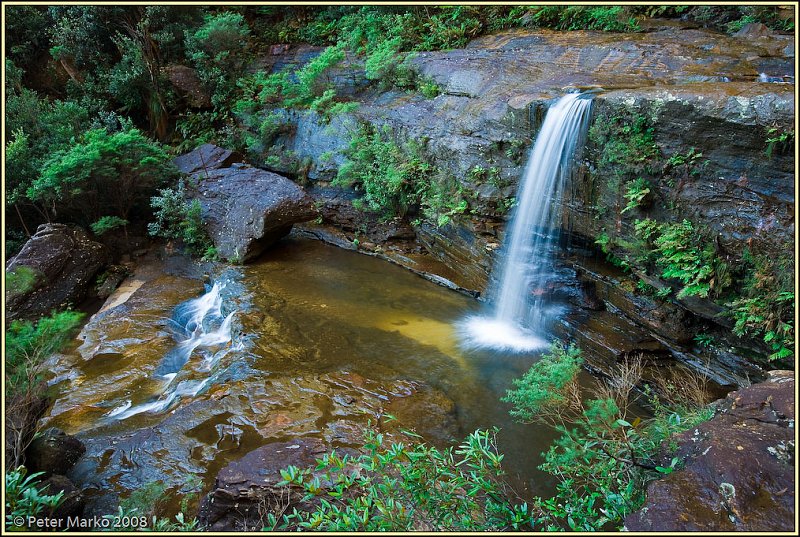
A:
(519, 312)
(200, 325)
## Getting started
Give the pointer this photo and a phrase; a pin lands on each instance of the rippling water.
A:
(315, 335)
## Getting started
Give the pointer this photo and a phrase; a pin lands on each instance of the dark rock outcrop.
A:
(693, 85)
(112, 278)
(54, 452)
(739, 473)
(64, 261)
(250, 485)
(244, 209)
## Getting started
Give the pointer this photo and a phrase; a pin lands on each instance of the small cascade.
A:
(522, 278)
(200, 327)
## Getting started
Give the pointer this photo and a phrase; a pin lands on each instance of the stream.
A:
(309, 341)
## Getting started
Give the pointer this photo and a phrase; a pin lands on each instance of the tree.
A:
(105, 172)
(216, 49)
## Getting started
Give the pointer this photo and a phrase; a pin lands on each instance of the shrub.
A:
(546, 388)
(386, 64)
(604, 457)
(782, 140)
(105, 170)
(405, 487)
(604, 18)
(217, 51)
(681, 257)
(765, 306)
(197, 128)
(29, 343)
(178, 218)
(392, 178)
(637, 191)
(108, 223)
(24, 498)
(291, 89)
(627, 145)
(397, 179)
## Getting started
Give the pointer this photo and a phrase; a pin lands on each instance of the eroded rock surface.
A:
(739, 473)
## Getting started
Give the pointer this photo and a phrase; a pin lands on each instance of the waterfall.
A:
(199, 325)
(519, 313)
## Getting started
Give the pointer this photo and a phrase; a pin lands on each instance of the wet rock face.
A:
(54, 452)
(739, 473)
(468, 250)
(740, 189)
(245, 210)
(65, 262)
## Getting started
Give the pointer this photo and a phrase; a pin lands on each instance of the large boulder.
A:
(63, 262)
(206, 157)
(739, 473)
(247, 486)
(54, 452)
(245, 209)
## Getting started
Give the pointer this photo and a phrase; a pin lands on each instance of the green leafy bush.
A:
(196, 128)
(627, 145)
(217, 49)
(178, 218)
(39, 129)
(543, 389)
(404, 487)
(392, 177)
(677, 249)
(636, 192)
(303, 88)
(681, 257)
(604, 18)
(104, 170)
(108, 223)
(24, 498)
(782, 140)
(606, 244)
(766, 304)
(29, 343)
(604, 457)
(397, 179)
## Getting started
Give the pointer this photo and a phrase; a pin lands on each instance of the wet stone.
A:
(739, 468)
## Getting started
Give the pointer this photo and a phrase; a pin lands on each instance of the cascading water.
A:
(199, 325)
(518, 319)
